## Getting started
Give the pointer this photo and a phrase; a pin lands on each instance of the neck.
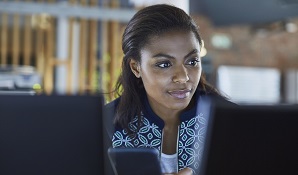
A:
(169, 116)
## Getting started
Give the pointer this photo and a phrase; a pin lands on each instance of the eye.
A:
(163, 64)
(194, 62)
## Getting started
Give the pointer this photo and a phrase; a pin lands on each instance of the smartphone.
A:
(135, 161)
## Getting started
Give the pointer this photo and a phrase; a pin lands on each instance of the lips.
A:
(180, 94)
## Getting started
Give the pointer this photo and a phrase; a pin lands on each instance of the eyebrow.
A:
(172, 57)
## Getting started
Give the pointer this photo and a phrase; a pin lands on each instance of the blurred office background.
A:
(74, 46)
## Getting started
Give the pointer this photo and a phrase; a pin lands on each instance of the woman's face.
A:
(170, 69)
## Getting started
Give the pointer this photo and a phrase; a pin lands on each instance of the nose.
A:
(181, 75)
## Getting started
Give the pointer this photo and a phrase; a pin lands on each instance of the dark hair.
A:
(150, 21)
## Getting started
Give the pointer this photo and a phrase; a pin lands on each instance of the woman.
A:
(160, 86)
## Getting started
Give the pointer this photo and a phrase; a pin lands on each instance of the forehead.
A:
(172, 42)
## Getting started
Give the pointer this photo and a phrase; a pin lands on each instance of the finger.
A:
(185, 171)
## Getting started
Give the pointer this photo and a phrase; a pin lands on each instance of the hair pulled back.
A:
(148, 22)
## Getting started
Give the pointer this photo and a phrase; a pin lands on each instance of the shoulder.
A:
(110, 111)
(113, 103)
(224, 101)
(216, 97)
(109, 116)
(111, 106)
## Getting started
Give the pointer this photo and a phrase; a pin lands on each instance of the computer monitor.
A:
(251, 140)
(51, 135)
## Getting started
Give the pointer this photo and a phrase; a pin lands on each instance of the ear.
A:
(135, 67)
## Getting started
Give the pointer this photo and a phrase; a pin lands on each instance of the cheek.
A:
(196, 75)
(153, 82)
(152, 76)
(199, 75)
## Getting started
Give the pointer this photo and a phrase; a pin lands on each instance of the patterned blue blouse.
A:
(190, 138)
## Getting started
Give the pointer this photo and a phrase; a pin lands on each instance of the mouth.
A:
(180, 94)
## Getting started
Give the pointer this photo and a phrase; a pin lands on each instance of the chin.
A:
(179, 106)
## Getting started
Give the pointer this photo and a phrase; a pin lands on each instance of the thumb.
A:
(185, 171)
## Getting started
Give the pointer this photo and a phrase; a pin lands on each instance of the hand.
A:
(185, 171)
